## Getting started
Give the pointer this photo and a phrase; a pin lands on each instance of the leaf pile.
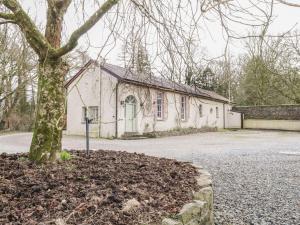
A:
(93, 190)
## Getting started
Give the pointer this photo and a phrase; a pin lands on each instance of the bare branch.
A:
(7, 16)
(72, 43)
(212, 5)
(34, 37)
(7, 21)
(289, 3)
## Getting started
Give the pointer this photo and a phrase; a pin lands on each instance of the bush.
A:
(64, 156)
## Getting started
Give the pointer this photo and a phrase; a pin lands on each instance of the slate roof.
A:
(128, 76)
(159, 82)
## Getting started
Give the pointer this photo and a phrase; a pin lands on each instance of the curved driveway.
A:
(256, 173)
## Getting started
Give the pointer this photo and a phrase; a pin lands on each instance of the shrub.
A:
(64, 156)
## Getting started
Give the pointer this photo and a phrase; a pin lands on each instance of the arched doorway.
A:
(130, 114)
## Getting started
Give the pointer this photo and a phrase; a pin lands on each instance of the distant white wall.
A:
(292, 125)
(234, 120)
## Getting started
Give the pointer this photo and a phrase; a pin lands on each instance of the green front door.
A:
(130, 114)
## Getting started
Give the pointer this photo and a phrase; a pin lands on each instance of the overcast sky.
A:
(212, 38)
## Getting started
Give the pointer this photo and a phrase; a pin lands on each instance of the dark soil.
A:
(94, 190)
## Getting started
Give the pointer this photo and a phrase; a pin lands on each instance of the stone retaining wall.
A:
(200, 210)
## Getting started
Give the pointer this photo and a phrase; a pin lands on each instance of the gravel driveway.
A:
(256, 174)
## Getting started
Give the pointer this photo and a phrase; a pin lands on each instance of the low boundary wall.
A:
(289, 125)
(280, 117)
(200, 210)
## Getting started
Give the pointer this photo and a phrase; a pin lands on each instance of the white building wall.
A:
(234, 120)
(107, 119)
(82, 92)
(86, 91)
(146, 121)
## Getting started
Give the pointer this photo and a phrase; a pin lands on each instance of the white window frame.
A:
(183, 107)
(160, 105)
(91, 114)
(217, 112)
(94, 114)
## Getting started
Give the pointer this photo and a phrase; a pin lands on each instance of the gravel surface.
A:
(256, 189)
(256, 174)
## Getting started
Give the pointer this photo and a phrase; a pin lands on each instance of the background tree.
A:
(135, 55)
(17, 81)
(270, 72)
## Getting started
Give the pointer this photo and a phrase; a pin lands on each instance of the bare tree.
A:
(289, 3)
(17, 64)
(270, 71)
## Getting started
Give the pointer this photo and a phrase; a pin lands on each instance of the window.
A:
(92, 114)
(217, 112)
(130, 99)
(200, 110)
(159, 105)
(183, 108)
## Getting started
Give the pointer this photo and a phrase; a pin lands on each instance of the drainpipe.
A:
(100, 102)
(117, 99)
(224, 124)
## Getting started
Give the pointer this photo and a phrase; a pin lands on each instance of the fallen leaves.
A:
(115, 188)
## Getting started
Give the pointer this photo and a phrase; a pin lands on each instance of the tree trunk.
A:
(50, 111)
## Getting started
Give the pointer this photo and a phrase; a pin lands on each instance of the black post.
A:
(242, 120)
(87, 132)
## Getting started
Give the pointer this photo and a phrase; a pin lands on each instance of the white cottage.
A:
(120, 102)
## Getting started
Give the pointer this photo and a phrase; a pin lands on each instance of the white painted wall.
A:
(93, 83)
(86, 91)
(292, 125)
(234, 120)
(146, 122)
(108, 105)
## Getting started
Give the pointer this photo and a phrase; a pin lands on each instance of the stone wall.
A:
(280, 112)
(200, 210)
